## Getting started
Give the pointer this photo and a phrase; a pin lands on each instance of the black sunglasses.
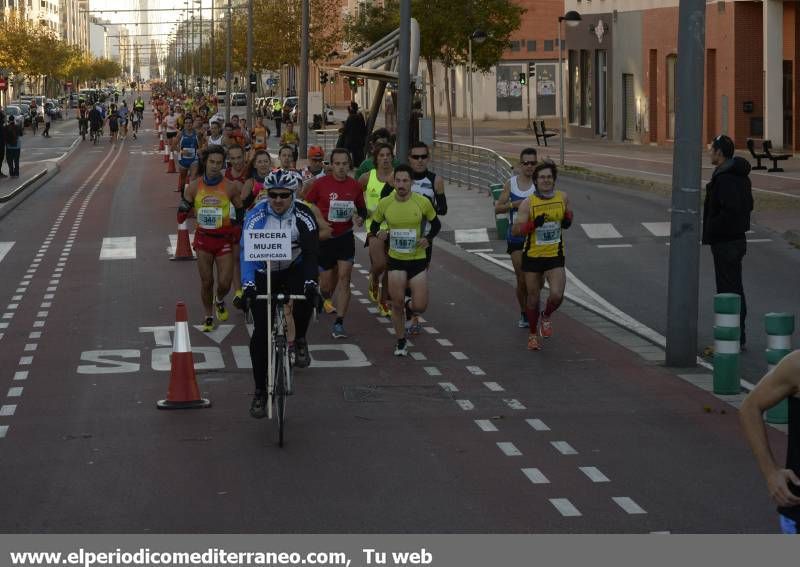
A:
(528, 163)
(272, 195)
(419, 156)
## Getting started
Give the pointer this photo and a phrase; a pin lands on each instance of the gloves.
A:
(311, 291)
(539, 221)
(249, 292)
(566, 222)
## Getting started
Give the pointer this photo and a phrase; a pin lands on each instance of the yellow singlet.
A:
(545, 241)
(213, 207)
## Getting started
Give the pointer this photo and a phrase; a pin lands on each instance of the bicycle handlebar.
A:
(282, 296)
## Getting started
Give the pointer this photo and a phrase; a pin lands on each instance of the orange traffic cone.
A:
(166, 154)
(183, 392)
(183, 250)
(160, 142)
(171, 166)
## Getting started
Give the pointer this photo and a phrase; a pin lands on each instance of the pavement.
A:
(470, 434)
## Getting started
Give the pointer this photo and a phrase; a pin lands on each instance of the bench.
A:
(751, 145)
(767, 147)
(540, 131)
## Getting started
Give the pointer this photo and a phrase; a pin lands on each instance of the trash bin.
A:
(500, 219)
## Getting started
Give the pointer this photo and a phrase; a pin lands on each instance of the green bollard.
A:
(779, 327)
(500, 219)
(726, 343)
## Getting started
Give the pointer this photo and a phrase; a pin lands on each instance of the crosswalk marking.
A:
(594, 474)
(119, 248)
(471, 235)
(5, 247)
(657, 228)
(600, 230)
(628, 505)
(535, 476)
(565, 507)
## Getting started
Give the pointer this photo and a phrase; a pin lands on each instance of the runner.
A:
(295, 276)
(338, 196)
(286, 158)
(291, 139)
(113, 123)
(405, 213)
(123, 120)
(135, 119)
(219, 209)
(189, 145)
(258, 170)
(216, 137)
(260, 135)
(171, 128)
(515, 191)
(236, 172)
(379, 136)
(541, 218)
(377, 184)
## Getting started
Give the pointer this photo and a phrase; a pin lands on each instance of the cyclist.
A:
(541, 218)
(95, 118)
(219, 210)
(405, 213)
(189, 145)
(83, 120)
(123, 119)
(138, 106)
(341, 201)
(515, 191)
(135, 120)
(113, 123)
(295, 276)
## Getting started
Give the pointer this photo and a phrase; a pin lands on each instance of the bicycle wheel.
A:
(279, 394)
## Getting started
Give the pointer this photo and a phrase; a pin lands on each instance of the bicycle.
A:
(84, 127)
(95, 135)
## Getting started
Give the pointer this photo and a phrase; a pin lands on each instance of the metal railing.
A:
(472, 166)
(325, 138)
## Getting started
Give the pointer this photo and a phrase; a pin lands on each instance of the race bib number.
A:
(209, 217)
(548, 233)
(403, 240)
(260, 140)
(187, 153)
(341, 211)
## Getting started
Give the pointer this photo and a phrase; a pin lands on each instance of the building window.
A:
(531, 45)
(508, 90)
(548, 45)
(515, 45)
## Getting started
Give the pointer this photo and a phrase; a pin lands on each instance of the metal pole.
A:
(228, 51)
(212, 79)
(191, 53)
(562, 131)
(200, 52)
(404, 81)
(302, 112)
(528, 93)
(249, 113)
(469, 89)
(684, 252)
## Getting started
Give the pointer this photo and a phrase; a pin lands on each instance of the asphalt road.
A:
(472, 434)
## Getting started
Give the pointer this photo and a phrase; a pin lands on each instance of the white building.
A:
(98, 34)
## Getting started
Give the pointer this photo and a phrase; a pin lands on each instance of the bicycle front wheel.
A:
(279, 395)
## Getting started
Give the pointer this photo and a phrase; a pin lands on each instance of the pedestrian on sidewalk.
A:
(48, 118)
(13, 147)
(783, 484)
(726, 219)
(354, 133)
(2, 143)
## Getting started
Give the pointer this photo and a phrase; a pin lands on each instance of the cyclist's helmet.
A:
(283, 179)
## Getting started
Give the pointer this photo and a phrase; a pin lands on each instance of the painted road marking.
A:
(356, 292)
(628, 505)
(30, 347)
(657, 228)
(8, 315)
(5, 248)
(514, 404)
(494, 386)
(15, 392)
(38, 324)
(433, 371)
(364, 272)
(383, 320)
(444, 342)
(35, 335)
(42, 314)
(418, 356)
(12, 306)
(537, 424)
(563, 447)
(431, 330)
(373, 310)
(8, 410)
(600, 230)
(3, 430)
(448, 386)
(594, 474)
(536, 476)
(363, 300)
(21, 375)
(485, 425)
(615, 245)
(25, 360)
(465, 405)
(509, 449)
(565, 507)
(476, 370)
(471, 235)
(759, 240)
(46, 305)
(459, 355)
(16, 297)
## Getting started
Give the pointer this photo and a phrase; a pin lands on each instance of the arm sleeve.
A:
(441, 204)
(436, 226)
(374, 227)
(386, 191)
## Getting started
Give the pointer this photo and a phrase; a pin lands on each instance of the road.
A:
(471, 434)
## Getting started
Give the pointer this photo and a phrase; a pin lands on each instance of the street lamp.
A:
(478, 36)
(572, 18)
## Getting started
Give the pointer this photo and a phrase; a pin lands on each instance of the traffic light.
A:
(531, 69)
(253, 83)
(323, 77)
(523, 78)
(352, 82)
(360, 81)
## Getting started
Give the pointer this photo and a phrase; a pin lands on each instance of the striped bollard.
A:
(726, 343)
(780, 327)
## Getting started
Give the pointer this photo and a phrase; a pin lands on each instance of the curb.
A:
(35, 182)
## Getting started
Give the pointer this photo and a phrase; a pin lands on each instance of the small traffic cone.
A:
(183, 250)
(171, 166)
(166, 154)
(183, 392)
(160, 142)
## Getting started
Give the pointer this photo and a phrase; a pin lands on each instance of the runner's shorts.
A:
(514, 246)
(171, 135)
(217, 244)
(541, 265)
(412, 268)
(342, 248)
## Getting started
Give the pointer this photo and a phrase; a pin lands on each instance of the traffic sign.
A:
(3, 83)
(68, 84)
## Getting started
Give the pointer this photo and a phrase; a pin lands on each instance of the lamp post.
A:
(572, 18)
(478, 36)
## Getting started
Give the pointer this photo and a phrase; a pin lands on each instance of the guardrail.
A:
(325, 138)
(472, 166)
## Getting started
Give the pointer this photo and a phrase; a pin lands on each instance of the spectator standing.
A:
(2, 143)
(354, 133)
(48, 118)
(13, 147)
(726, 219)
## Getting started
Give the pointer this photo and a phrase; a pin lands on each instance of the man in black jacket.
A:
(726, 218)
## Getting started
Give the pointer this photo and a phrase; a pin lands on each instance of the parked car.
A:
(221, 95)
(291, 102)
(26, 111)
(54, 109)
(238, 99)
(16, 112)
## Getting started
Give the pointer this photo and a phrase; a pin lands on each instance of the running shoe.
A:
(373, 290)
(338, 331)
(238, 299)
(545, 326)
(302, 359)
(384, 309)
(413, 326)
(533, 342)
(292, 354)
(401, 349)
(258, 407)
(222, 313)
(523, 322)
(328, 306)
(208, 325)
